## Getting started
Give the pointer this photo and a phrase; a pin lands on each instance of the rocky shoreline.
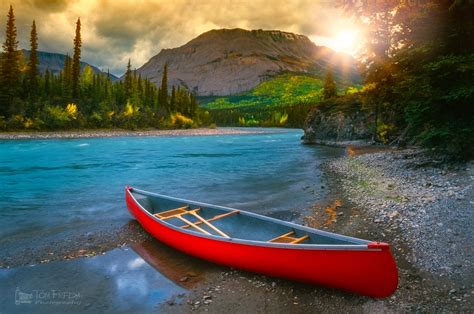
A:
(118, 132)
(424, 208)
(383, 194)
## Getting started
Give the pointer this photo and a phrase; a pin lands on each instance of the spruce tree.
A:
(164, 88)
(173, 105)
(67, 78)
(76, 61)
(47, 83)
(10, 68)
(128, 81)
(33, 63)
(330, 88)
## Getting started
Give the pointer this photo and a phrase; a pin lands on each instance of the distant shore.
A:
(119, 132)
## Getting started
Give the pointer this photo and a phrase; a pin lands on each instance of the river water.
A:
(54, 187)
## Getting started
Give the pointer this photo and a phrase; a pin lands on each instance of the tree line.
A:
(84, 99)
(419, 74)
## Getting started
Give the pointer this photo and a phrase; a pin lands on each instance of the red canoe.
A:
(266, 245)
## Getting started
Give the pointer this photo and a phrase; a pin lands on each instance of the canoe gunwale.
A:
(362, 246)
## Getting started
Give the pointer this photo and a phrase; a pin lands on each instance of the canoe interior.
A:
(242, 225)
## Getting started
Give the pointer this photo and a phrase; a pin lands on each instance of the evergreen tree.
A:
(10, 68)
(173, 106)
(67, 78)
(76, 61)
(330, 88)
(164, 88)
(47, 83)
(128, 81)
(33, 63)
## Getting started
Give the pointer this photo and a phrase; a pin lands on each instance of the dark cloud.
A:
(51, 5)
(115, 30)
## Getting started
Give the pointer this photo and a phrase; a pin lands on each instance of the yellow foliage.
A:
(129, 110)
(283, 119)
(178, 120)
(28, 123)
(369, 87)
(110, 114)
(71, 110)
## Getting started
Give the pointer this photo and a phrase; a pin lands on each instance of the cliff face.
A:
(230, 61)
(332, 123)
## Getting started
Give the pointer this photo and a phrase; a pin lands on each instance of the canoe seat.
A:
(288, 238)
(179, 212)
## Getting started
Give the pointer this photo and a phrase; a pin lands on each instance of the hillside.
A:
(280, 90)
(231, 61)
(55, 62)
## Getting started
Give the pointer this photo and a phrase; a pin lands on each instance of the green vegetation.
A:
(73, 100)
(283, 101)
(281, 90)
(419, 73)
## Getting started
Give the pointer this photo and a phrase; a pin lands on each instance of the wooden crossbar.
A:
(179, 212)
(184, 212)
(204, 221)
(215, 218)
(301, 239)
(172, 212)
(282, 236)
(287, 238)
(192, 224)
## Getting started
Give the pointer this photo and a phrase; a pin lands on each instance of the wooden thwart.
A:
(215, 218)
(287, 238)
(171, 212)
(179, 212)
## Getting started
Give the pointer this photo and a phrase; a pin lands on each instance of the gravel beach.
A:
(424, 210)
(115, 133)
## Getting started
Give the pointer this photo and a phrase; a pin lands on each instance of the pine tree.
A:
(76, 61)
(67, 78)
(47, 83)
(164, 88)
(128, 81)
(10, 68)
(33, 63)
(173, 106)
(330, 88)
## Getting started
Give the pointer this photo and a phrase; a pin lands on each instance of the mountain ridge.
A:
(54, 61)
(225, 62)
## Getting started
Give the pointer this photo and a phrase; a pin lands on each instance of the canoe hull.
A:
(370, 272)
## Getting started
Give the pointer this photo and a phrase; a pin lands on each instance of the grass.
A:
(281, 90)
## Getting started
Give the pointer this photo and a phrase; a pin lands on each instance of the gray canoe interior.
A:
(238, 226)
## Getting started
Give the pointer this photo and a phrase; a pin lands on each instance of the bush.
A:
(180, 121)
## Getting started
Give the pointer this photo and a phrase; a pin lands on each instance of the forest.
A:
(418, 66)
(77, 99)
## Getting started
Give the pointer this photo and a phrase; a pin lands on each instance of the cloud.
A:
(114, 31)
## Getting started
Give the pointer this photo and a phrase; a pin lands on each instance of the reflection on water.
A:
(119, 281)
(182, 269)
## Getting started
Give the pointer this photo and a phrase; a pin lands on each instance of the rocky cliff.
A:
(337, 120)
(230, 61)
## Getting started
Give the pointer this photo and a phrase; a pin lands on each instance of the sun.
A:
(345, 41)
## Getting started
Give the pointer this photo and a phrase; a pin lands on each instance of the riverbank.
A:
(118, 132)
(421, 208)
(396, 196)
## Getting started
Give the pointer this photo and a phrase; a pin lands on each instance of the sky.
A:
(115, 30)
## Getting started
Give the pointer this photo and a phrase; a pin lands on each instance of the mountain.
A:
(55, 62)
(231, 61)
